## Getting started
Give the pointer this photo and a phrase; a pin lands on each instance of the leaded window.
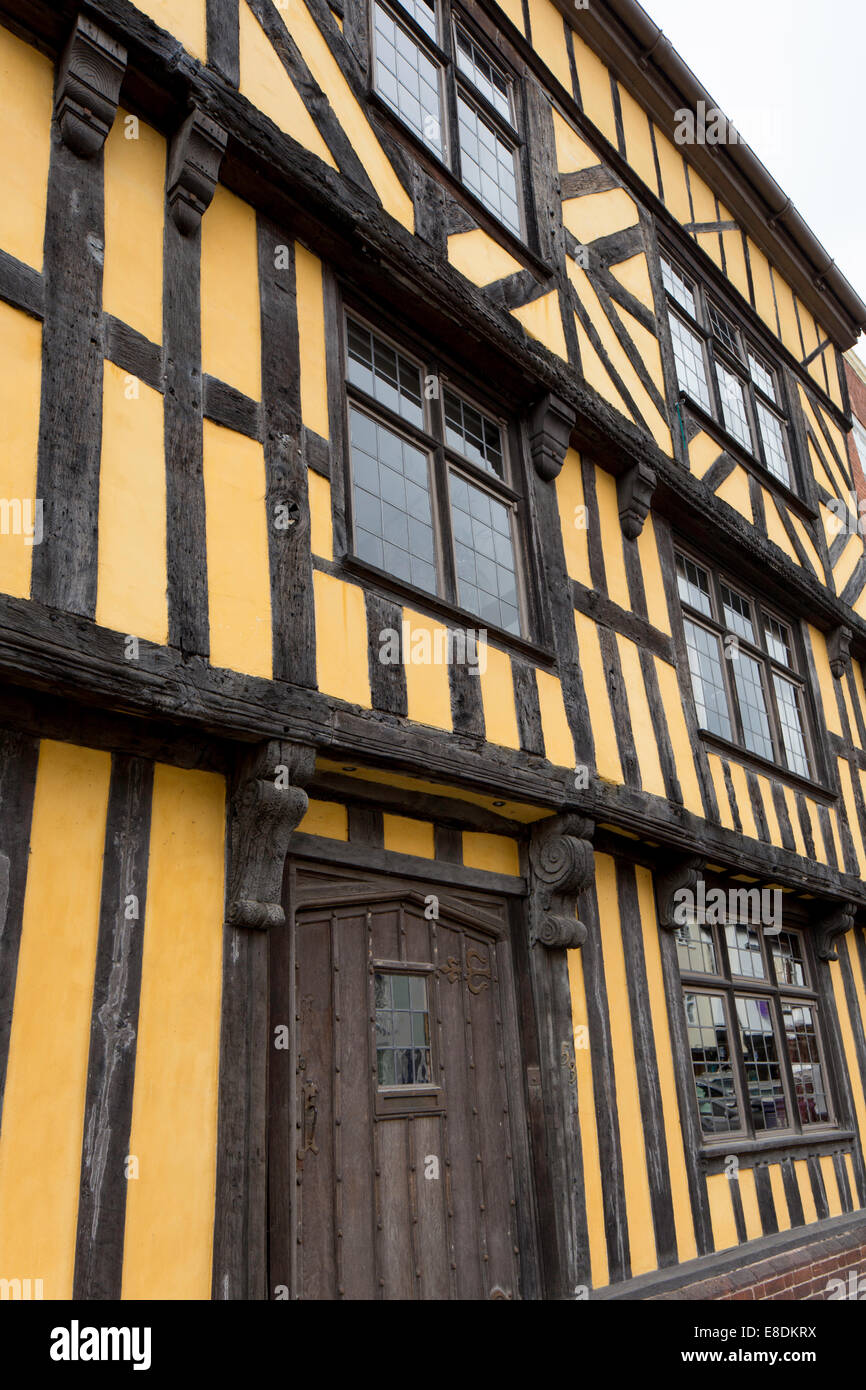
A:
(402, 1030)
(721, 371)
(754, 1030)
(434, 500)
(457, 98)
(745, 668)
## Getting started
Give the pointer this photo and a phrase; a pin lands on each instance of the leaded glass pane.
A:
(778, 640)
(384, 373)
(708, 683)
(788, 962)
(753, 705)
(695, 948)
(424, 14)
(402, 1030)
(810, 1089)
(484, 554)
(488, 165)
(766, 1091)
(408, 79)
(762, 376)
(792, 725)
(693, 584)
(691, 367)
(712, 1070)
(773, 436)
(678, 287)
(391, 496)
(738, 614)
(484, 75)
(724, 330)
(474, 435)
(734, 406)
(744, 951)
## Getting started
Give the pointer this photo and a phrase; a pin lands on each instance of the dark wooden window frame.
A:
(718, 575)
(715, 351)
(725, 983)
(514, 492)
(514, 132)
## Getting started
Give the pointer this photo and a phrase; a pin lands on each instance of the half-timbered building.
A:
(430, 576)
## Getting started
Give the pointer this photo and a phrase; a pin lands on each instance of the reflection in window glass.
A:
(689, 358)
(762, 376)
(724, 330)
(738, 614)
(773, 438)
(695, 948)
(484, 75)
(678, 287)
(473, 434)
(712, 1070)
(788, 962)
(402, 1030)
(766, 1090)
(810, 1089)
(488, 165)
(408, 79)
(708, 682)
(791, 722)
(734, 405)
(384, 373)
(693, 584)
(753, 705)
(778, 640)
(744, 951)
(484, 554)
(424, 14)
(391, 501)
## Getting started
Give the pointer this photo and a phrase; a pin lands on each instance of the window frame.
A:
(730, 986)
(512, 491)
(737, 362)
(769, 664)
(443, 51)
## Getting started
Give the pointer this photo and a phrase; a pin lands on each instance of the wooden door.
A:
(403, 1180)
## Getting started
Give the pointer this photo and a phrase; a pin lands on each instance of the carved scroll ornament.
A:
(88, 87)
(562, 864)
(838, 920)
(268, 801)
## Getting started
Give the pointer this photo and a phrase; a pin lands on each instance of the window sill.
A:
(769, 769)
(753, 1151)
(731, 445)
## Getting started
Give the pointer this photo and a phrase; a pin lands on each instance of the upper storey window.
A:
(721, 371)
(456, 98)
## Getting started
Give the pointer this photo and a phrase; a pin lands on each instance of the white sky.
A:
(791, 75)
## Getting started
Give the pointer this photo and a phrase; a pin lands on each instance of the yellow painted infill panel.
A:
(744, 803)
(859, 605)
(498, 854)
(735, 491)
(718, 776)
(749, 1199)
(342, 667)
(230, 313)
(780, 1201)
(647, 345)
(735, 260)
(703, 452)
(425, 656)
(703, 198)
(558, 741)
(826, 684)
(265, 82)
(611, 538)
(132, 567)
(497, 696)
(684, 753)
(673, 171)
(185, 19)
(27, 84)
(22, 523)
(648, 550)
(770, 810)
(46, 1078)
(817, 833)
(849, 1168)
(592, 1183)
(321, 528)
(807, 543)
(404, 835)
(834, 829)
(599, 214)
(642, 729)
(638, 140)
(857, 976)
(787, 315)
(849, 707)
(775, 530)
(326, 818)
(848, 1045)
(633, 275)
(652, 420)
(794, 818)
(762, 281)
(807, 1196)
(311, 339)
(721, 1211)
(573, 519)
(514, 10)
(810, 332)
(709, 242)
(542, 320)
(238, 565)
(327, 72)
(598, 698)
(685, 1230)
(481, 259)
(548, 39)
(167, 1252)
(572, 153)
(847, 562)
(831, 1185)
(508, 810)
(134, 225)
(595, 372)
(595, 90)
(829, 357)
(851, 816)
(635, 1176)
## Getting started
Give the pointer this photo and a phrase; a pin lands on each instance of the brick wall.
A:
(857, 392)
(797, 1275)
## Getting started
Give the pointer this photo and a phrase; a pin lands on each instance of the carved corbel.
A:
(193, 169)
(88, 87)
(267, 803)
(635, 491)
(838, 920)
(561, 865)
(839, 649)
(677, 875)
(550, 425)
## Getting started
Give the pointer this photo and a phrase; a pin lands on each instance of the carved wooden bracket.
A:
(838, 920)
(677, 874)
(267, 803)
(561, 865)
(88, 87)
(550, 425)
(193, 169)
(839, 649)
(635, 490)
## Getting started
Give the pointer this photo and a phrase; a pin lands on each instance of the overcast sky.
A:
(791, 75)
